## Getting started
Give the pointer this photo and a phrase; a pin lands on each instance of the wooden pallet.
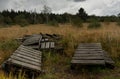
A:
(26, 57)
(91, 54)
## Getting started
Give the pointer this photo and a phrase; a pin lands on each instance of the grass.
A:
(57, 66)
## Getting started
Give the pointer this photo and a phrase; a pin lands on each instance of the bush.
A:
(20, 19)
(53, 23)
(94, 24)
(77, 22)
(118, 23)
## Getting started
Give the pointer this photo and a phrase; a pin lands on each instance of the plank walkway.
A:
(91, 54)
(26, 57)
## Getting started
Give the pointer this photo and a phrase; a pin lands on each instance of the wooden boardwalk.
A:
(91, 54)
(26, 57)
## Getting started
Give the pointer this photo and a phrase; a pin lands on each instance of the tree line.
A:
(46, 17)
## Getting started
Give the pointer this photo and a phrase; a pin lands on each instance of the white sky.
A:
(97, 7)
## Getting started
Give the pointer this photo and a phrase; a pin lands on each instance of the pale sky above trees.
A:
(98, 7)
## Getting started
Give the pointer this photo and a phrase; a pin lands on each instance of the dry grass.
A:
(108, 35)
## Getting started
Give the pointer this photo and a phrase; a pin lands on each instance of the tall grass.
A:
(57, 66)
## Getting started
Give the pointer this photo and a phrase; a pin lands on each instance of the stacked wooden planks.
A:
(26, 57)
(46, 44)
(91, 54)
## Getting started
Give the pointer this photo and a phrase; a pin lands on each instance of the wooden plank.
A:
(32, 40)
(23, 64)
(29, 51)
(27, 58)
(28, 48)
(88, 49)
(92, 44)
(47, 45)
(42, 45)
(89, 62)
(88, 52)
(25, 61)
(88, 58)
(52, 45)
(86, 55)
(32, 56)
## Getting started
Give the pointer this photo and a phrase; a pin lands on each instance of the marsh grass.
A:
(57, 66)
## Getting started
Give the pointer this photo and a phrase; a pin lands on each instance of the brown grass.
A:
(108, 35)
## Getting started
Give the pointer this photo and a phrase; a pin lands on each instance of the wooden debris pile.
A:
(28, 55)
(42, 41)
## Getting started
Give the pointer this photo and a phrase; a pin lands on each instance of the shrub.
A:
(77, 22)
(53, 23)
(94, 23)
(118, 22)
(20, 19)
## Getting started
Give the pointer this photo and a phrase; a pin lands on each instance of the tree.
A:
(1, 19)
(82, 14)
(46, 10)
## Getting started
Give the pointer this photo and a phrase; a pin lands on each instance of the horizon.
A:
(92, 7)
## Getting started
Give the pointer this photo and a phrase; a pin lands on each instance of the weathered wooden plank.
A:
(52, 45)
(43, 45)
(89, 49)
(86, 55)
(27, 58)
(88, 58)
(32, 40)
(28, 48)
(29, 52)
(92, 44)
(47, 45)
(88, 52)
(32, 56)
(23, 64)
(25, 61)
(89, 62)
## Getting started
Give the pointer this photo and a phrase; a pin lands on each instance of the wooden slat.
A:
(47, 44)
(32, 56)
(88, 58)
(42, 45)
(25, 61)
(27, 58)
(89, 49)
(23, 64)
(52, 45)
(88, 52)
(28, 48)
(32, 40)
(86, 55)
(89, 62)
(29, 52)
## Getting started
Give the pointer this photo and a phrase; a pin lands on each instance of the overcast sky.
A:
(97, 7)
